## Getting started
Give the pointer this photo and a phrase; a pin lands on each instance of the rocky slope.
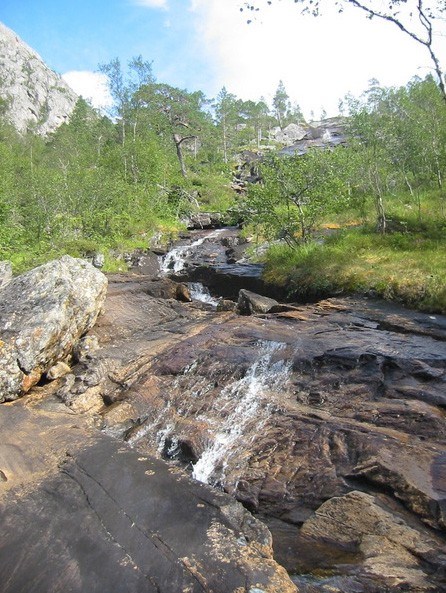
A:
(35, 98)
(80, 511)
(325, 420)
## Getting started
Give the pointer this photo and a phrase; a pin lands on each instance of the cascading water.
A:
(199, 292)
(264, 375)
(175, 260)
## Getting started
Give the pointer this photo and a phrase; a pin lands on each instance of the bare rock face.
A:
(82, 512)
(36, 97)
(5, 273)
(42, 315)
(334, 409)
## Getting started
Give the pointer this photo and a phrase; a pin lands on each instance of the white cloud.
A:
(92, 86)
(318, 59)
(151, 3)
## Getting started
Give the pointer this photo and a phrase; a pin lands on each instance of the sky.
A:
(207, 44)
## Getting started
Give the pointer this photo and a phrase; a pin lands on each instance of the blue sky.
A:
(80, 34)
(205, 44)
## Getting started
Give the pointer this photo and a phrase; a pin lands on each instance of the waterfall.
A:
(175, 259)
(199, 292)
(263, 376)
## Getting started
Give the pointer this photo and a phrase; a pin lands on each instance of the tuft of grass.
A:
(408, 268)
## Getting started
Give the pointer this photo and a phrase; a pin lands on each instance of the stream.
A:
(325, 420)
(209, 436)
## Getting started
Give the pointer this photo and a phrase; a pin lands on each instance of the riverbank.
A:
(406, 268)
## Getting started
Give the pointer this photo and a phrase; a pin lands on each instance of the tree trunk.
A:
(178, 141)
(381, 215)
(225, 142)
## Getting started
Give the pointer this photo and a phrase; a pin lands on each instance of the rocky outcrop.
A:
(42, 315)
(290, 134)
(328, 133)
(35, 98)
(204, 220)
(290, 410)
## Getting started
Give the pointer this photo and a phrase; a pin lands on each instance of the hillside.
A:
(32, 96)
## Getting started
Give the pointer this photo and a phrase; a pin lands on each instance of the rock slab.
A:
(99, 517)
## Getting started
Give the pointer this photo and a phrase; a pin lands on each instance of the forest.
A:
(368, 215)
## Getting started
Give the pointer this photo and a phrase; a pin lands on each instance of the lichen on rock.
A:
(43, 313)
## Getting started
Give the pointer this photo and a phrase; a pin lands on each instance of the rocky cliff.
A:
(31, 95)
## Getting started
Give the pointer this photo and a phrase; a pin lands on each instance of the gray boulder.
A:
(250, 302)
(5, 273)
(290, 134)
(43, 313)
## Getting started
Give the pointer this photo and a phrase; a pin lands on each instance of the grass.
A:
(406, 267)
(113, 248)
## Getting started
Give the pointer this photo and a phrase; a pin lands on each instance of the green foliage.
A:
(409, 268)
(106, 185)
(400, 142)
(296, 192)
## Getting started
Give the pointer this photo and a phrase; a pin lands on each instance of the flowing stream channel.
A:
(337, 403)
(245, 400)
(175, 262)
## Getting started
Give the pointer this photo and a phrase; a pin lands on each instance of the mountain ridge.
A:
(35, 98)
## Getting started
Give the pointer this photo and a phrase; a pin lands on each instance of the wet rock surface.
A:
(325, 420)
(81, 511)
(218, 260)
(286, 411)
(339, 400)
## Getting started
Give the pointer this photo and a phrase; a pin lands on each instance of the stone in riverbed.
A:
(250, 302)
(165, 288)
(43, 313)
(226, 305)
(388, 548)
